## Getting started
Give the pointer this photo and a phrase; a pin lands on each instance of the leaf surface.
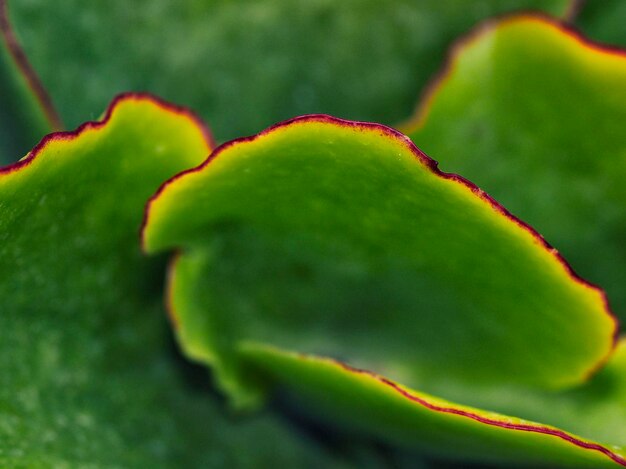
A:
(88, 377)
(342, 239)
(535, 115)
(362, 400)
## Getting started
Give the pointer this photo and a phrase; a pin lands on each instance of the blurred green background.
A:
(244, 65)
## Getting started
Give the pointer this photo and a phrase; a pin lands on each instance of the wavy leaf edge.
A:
(491, 26)
(95, 125)
(484, 29)
(429, 402)
(485, 417)
(432, 166)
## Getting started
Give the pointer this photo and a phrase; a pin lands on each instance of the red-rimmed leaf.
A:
(87, 377)
(343, 239)
(535, 115)
(366, 402)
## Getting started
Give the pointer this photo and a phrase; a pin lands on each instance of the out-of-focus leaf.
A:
(244, 65)
(342, 239)
(26, 114)
(535, 116)
(603, 20)
(86, 376)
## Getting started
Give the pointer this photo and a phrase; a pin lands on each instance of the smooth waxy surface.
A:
(254, 63)
(86, 370)
(552, 150)
(372, 403)
(341, 239)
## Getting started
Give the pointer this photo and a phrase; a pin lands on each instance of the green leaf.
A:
(369, 402)
(26, 113)
(88, 379)
(534, 115)
(342, 239)
(603, 20)
(254, 63)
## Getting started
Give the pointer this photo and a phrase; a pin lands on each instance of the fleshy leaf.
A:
(342, 239)
(260, 62)
(26, 113)
(535, 115)
(87, 376)
(366, 401)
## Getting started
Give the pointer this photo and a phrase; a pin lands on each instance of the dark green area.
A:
(604, 21)
(22, 121)
(246, 64)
